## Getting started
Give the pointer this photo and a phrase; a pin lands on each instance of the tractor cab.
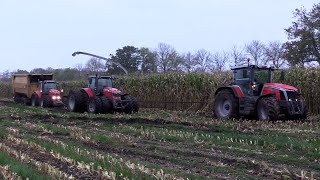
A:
(98, 83)
(46, 85)
(251, 79)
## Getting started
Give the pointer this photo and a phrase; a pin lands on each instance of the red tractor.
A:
(101, 97)
(253, 94)
(36, 90)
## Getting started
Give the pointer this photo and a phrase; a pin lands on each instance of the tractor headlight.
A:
(56, 97)
(290, 99)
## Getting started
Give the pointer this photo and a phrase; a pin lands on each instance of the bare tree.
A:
(220, 60)
(80, 69)
(203, 60)
(6, 76)
(95, 65)
(274, 54)
(256, 49)
(237, 55)
(189, 62)
(167, 58)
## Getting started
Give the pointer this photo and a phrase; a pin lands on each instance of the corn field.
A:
(42, 143)
(195, 92)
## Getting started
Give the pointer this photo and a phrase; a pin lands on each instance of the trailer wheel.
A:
(94, 105)
(45, 101)
(16, 98)
(77, 101)
(268, 109)
(35, 100)
(106, 105)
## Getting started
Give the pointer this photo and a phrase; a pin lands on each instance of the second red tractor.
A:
(101, 97)
(253, 94)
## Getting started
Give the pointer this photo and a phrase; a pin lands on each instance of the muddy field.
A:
(40, 143)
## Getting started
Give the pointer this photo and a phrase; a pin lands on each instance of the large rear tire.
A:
(226, 105)
(35, 100)
(268, 109)
(77, 101)
(94, 105)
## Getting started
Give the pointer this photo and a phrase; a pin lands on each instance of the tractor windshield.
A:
(261, 76)
(104, 82)
(48, 86)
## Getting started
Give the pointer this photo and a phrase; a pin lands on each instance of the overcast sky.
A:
(44, 33)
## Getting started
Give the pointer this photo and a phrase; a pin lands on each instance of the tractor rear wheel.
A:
(225, 105)
(94, 105)
(45, 101)
(77, 101)
(268, 109)
(106, 105)
(35, 100)
(132, 105)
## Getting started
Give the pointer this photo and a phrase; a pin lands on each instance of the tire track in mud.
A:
(46, 157)
(194, 162)
(194, 156)
(153, 158)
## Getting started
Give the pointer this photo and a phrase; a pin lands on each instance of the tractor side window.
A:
(92, 82)
(241, 78)
(261, 76)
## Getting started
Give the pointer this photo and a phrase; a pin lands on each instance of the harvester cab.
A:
(253, 94)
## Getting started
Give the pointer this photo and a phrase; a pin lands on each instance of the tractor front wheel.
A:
(106, 105)
(268, 109)
(134, 104)
(225, 105)
(94, 105)
(34, 100)
(45, 101)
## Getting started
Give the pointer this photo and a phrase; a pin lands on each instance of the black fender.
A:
(237, 92)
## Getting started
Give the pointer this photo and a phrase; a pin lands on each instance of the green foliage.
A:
(128, 57)
(5, 90)
(149, 61)
(304, 41)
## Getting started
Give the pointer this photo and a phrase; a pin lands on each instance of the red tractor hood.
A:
(112, 90)
(54, 91)
(281, 86)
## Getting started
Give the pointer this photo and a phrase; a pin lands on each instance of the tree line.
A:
(302, 48)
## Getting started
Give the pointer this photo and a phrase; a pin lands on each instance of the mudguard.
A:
(88, 91)
(234, 88)
(38, 93)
